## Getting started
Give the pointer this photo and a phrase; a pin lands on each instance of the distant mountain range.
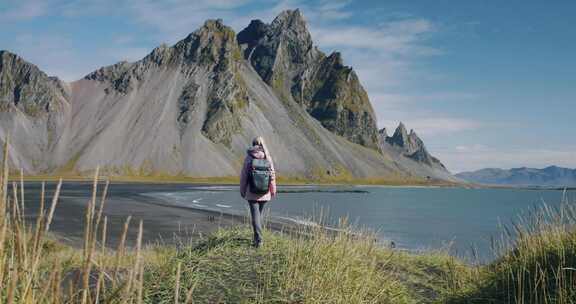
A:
(192, 108)
(552, 176)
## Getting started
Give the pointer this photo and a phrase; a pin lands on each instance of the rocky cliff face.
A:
(285, 57)
(24, 88)
(408, 145)
(192, 109)
(213, 51)
(32, 110)
(214, 48)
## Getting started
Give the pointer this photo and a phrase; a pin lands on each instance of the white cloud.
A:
(334, 10)
(386, 55)
(397, 101)
(398, 38)
(383, 55)
(176, 18)
(429, 127)
(386, 59)
(435, 126)
(412, 110)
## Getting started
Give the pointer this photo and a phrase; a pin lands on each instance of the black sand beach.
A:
(162, 224)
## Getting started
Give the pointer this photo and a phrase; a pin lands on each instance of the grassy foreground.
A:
(309, 265)
(536, 264)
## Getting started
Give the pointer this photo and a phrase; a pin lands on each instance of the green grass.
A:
(320, 268)
(536, 264)
(304, 264)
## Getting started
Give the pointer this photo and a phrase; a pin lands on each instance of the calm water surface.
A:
(414, 218)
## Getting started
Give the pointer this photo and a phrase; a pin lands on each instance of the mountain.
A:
(285, 57)
(192, 108)
(33, 110)
(408, 150)
(549, 176)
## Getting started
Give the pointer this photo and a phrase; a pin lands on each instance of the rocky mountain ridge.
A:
(25, 87)
(191, 108)
(410, 145)
(286, 58)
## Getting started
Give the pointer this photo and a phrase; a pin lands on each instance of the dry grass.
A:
(309, 265)
(536, 264)
(34, 269)
(537, 258)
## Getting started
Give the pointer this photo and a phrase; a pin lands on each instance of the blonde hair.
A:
(259, 141)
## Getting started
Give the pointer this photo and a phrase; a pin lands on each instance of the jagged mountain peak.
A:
(284, 56)
(293, 19)
(411, 146)
(336, 60)
(213, 46)
(402, 128)
(211, 29)
(9, 59)
(190, 108)
(215, 25)
(283, 44)
(252, 33)
(408, 141)
(412, 136)
(383, 133)
(25, 87)
(5, 55)
(289, 24)
(8, 56)
(212, 43)
(400, 136)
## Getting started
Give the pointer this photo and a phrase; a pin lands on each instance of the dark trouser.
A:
(256, 213)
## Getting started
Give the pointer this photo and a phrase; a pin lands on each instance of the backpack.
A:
(259, 176)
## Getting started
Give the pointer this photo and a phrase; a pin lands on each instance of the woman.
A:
(257, 184)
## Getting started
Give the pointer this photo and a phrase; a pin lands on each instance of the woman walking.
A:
(257, 184)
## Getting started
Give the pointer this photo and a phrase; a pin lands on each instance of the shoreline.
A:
(225, 182)
(164, 224)
(233, 180)
(165, 220)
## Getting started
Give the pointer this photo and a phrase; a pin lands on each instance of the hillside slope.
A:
(191, 109)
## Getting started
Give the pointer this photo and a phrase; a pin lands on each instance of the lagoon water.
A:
(414, 218)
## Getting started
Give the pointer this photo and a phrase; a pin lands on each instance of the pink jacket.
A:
(256, 152)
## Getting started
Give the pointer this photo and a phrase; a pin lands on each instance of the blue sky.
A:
(484, 83)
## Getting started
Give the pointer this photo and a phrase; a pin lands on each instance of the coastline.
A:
(234, 180)
(165, 220)
(164, 224)
(229, 180)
